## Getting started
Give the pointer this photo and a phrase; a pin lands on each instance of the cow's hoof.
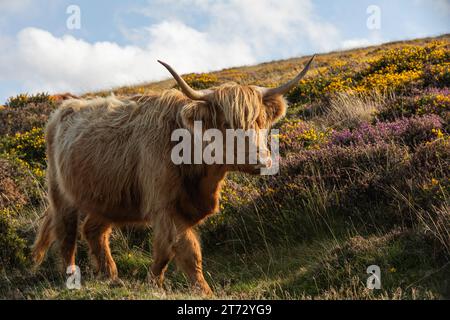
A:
(203, 290)
(155, 281)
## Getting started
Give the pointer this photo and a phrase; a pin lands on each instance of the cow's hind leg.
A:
(60, 224)
(65, 226)
(97, 234)
(188, 257)
(66, 232)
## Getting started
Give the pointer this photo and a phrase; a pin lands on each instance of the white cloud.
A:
(374, 38)
(270, 27)
(232, 33)
(44, 62)
(356, 43)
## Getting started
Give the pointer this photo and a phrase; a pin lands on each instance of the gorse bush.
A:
(11, 191)
(410, 58)
(20, 183)
(13, 249)
(395, 70)
(308, 90)
(429, 101)
(27, 152)
(22, 100)
(389, 80)
(28, 146)
(404, 68)
(201, 81)
(437, 75)
(18, 101)
(299, 135)
(32, 115)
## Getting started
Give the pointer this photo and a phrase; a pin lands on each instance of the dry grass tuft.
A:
(349, 110)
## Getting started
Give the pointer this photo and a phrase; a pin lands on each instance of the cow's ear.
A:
(199, 111)
(275, 108)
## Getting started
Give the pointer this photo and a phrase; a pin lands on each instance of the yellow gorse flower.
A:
(438, 132)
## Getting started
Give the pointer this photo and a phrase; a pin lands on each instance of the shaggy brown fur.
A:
(109, 159)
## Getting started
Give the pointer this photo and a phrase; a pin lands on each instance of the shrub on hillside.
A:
(430, 158)
(437, 75)
(23, 156)
(381, 185)
(430, 101)
(308, 90)
(24, 99)
(395, 70)
(410, 58)
(19, 183)
(334, 182)
(361, 168)
(430, 171)
(298, 135)
(201, 81)
(13, 120)
(11, 189)
(410, 131)
(402, 69)
(388, 80)
(28, 146)
(12, 246)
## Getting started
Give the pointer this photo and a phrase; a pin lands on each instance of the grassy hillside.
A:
(364, 180)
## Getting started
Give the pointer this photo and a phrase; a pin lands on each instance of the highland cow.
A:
(109, 164)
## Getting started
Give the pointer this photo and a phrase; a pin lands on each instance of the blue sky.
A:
(119, 41)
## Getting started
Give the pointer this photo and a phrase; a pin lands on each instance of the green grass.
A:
(301, 271)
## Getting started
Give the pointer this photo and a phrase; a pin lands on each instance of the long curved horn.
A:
(187, 90)
(266, 92)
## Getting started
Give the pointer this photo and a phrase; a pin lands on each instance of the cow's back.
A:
(94, 152)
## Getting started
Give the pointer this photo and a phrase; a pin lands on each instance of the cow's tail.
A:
(45, 237)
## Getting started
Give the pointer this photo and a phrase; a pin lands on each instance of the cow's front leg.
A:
(188, 257)
(163, 248)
